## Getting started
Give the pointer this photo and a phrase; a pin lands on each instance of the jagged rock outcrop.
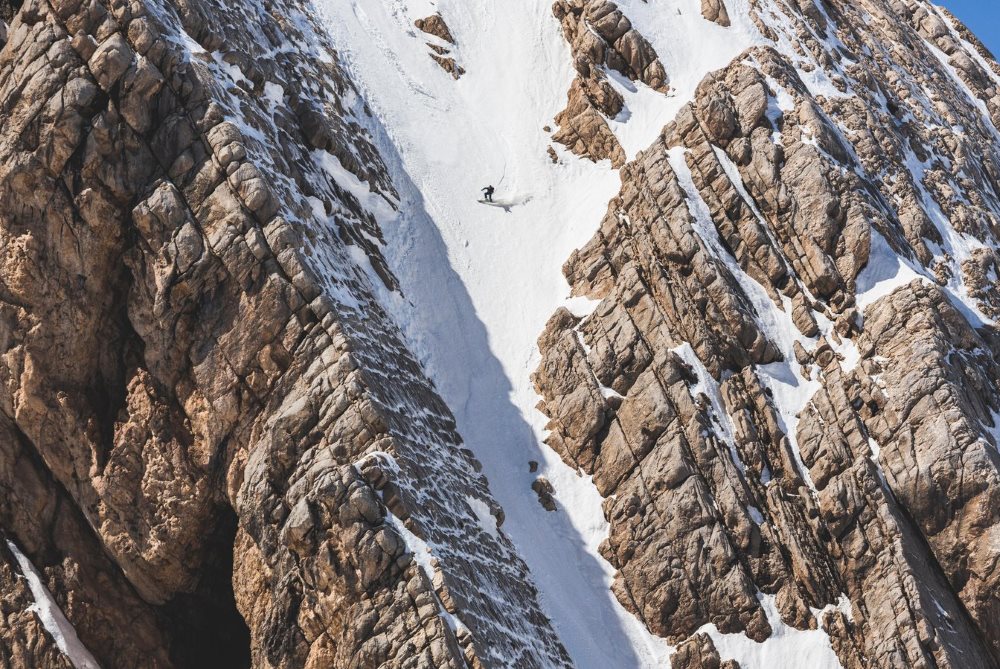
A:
(196, 378)
(436, 26)
(699, 652)
(584, 131)
(600, 36)
(757, 417)
(715, 10)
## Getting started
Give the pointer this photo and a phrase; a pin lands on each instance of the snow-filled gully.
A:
(480, 282)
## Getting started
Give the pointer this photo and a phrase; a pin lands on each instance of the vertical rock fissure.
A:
(204, 626)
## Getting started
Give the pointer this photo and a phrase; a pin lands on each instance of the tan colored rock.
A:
(543, 488)
(110, 61)
(449, 65)
(184, 398)
(981, 273)
(885, 470)
(435, 25)
(584, 131)
(600, 35)
(699, 652)
(715, 10)
(24, 641)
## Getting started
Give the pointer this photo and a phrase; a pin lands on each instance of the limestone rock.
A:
(584, 130)
(435, 25)
(761, 181)
(699, 652)
(543, 488)
(449, 65)
(601, 36)
(715, 10)
(193, 378)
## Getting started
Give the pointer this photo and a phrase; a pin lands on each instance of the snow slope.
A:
(480, 282)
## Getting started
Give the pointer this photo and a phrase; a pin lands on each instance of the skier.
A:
(489, 193)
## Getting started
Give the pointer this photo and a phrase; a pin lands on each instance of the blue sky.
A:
(982, 17)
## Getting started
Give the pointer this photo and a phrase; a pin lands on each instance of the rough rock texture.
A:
(699, 652)
(207, 435)
(436, 26)
(764, 208)
(600, 36)
(217, 450)
(26, 644)
(715, 10)
(584, 131)
(447, 63)
(7, 10)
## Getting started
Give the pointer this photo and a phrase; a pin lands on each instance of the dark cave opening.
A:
(207, 629)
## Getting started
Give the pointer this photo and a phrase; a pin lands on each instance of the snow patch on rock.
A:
(787, 647)
(51, 616)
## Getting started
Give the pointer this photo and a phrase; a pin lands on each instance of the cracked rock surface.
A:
(207, 443)
(766, 202)
(601, 36)
(218, 450)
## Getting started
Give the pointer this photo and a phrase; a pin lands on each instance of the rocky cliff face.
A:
(768, 403)
(206, 415)
(219, 449)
